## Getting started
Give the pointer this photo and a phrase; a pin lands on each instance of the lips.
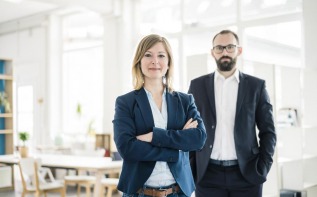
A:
(225, 59)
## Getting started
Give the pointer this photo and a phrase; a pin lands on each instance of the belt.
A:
(224, 163)
(159, 192)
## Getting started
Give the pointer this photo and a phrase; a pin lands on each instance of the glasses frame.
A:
(226, 47)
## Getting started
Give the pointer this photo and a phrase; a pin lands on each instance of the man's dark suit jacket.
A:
(253, 109)
(133, 117)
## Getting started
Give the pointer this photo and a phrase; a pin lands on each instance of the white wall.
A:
(26, 46)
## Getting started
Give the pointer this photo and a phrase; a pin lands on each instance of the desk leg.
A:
(97, 188)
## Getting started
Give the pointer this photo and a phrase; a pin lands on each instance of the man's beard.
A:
(226, 65)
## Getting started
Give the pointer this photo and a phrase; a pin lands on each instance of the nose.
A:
(224, 52)
(155, 60)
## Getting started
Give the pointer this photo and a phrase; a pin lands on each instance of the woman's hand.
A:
(145, 137)
(190, 124)
(148, 136)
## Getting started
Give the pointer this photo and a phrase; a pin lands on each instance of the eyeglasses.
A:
(229, 48)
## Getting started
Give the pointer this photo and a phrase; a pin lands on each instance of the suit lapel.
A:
(145, 108)
(172, 107)
(243, 86)
(211, 92)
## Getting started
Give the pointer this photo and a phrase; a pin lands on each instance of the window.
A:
(83, 95)
(25, 109)
(266, 8)
(278, 43)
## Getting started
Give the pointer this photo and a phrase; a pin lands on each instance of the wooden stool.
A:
(109, 183)
(80, 180)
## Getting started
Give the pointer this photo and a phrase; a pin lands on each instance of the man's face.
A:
(225, 51)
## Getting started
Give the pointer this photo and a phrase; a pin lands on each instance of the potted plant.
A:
(4, 103)
(24, 136)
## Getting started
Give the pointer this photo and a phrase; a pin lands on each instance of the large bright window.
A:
(279, 43)
(25, 109)
(82, 80)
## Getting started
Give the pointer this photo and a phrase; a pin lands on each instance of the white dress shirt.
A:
(226, 93)
(161, 175)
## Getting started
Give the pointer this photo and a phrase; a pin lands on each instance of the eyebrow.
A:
(158, 52)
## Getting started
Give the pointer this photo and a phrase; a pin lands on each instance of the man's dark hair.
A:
(226, 32)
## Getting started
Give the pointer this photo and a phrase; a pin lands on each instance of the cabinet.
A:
(6, 116)
(297, 150)
(297, 147)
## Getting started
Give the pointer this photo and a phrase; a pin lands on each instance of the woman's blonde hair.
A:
(145, 44)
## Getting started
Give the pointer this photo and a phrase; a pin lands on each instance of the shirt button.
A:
(210, 146)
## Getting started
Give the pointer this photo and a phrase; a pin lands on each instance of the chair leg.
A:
(102, 190)
(78, 190)
(87, 190)
(37, 194)
(63, 192)
(109, 191)
(65, 189)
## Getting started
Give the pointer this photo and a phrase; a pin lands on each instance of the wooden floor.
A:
(71, 192)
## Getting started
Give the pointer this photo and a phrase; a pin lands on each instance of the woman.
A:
(155, 127)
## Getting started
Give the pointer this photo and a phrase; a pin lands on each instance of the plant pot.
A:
(24, 151)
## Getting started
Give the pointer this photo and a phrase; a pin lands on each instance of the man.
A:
(232, 104)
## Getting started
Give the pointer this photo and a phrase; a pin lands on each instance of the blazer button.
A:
(210, 146)
(213, 126)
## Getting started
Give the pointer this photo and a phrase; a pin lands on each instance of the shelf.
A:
(309, 156)
(6, 115)
(6, 119)
(285, 159)
(304, 157)
(6, 77)
(309, 185)
(6, 131)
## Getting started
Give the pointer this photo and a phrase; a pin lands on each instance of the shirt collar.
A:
(148, 93)
(235, 75)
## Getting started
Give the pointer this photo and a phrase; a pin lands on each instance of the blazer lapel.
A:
(211, 92)
(172, 107)
(145, 108)
(243, 86)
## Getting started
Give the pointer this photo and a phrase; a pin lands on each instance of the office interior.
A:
(69, 60)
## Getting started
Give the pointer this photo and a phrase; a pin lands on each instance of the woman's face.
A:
(154, 63)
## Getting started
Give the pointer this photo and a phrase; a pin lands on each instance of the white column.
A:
(119, 38)
(54, 79)
(310, 33)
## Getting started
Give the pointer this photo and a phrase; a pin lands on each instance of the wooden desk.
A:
(100, 165)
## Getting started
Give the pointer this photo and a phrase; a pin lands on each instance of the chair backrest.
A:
(27, 171)
(44, 172)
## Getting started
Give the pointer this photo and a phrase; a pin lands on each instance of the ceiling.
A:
(14, 9)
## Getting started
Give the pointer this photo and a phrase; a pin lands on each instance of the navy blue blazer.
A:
(133, 117)
(253, 110)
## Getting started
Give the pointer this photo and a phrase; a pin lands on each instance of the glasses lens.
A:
(231, 48)
(218, 49)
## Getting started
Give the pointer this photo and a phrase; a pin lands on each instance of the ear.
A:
(212, 53)
(240, 51)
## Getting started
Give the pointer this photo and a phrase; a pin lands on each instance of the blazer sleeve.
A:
(187, 139)
(125, 138)
(267, 135)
